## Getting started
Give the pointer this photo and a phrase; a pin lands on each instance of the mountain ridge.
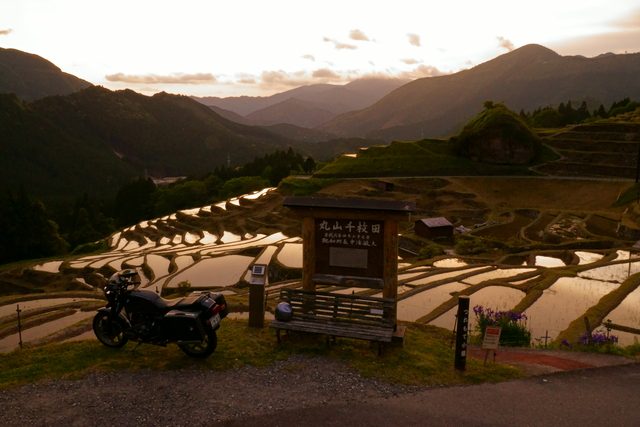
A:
(32, 77)
(527, 78)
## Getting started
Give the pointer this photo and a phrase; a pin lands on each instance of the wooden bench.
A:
(338, 315)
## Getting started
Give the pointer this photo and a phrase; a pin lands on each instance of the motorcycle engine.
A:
(145, 327)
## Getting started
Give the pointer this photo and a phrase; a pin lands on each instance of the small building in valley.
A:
(433, 228)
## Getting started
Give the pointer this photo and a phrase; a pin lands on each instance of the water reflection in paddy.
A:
(183, 261)
(208, 238)
(51, 267)
(443, 276)
(588, 257)
(265, 256)
(9, 309)
(566, 300)
(497, 298)
(191, 238)
(497, 274)
(221, 271)
(627, 314)
(615, 272)
(159, 265)
(291, 255)
(12, 341)
(450, 263)
(549, 261)
(416, 306)
(229, 237)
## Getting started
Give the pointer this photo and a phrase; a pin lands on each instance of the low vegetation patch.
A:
(426, 359)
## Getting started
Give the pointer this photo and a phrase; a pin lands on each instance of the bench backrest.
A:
(327, 306)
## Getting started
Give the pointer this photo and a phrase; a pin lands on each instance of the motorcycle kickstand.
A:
(134, 348)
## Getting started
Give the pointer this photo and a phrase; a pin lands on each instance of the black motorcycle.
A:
(143, 316)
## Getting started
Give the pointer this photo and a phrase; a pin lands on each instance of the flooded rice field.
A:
(170, 250)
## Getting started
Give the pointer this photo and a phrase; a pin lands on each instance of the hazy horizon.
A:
(208, 48)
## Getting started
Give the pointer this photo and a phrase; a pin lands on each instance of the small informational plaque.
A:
(491, 338)
(347, 257)
(258, 274)
(349, 247)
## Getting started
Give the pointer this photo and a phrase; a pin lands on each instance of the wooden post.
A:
(390, 260)
(463, 328)
(308, 253)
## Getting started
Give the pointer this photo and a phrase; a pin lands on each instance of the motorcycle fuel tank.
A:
(142, 301)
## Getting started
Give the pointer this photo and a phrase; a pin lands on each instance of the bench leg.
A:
(278, 335)
(380, 348)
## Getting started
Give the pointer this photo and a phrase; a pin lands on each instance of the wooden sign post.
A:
(350, 242)
(462, 334)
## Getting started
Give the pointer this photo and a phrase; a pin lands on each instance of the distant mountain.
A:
(526, 78)
(300, 133)
(292, 111)
(230, 115)
(31, 77)
(336, 98)
(96, 139)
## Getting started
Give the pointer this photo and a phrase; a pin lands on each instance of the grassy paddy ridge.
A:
(426, 358)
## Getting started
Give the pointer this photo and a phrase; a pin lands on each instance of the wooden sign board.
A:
(348, 247)
(491, 338)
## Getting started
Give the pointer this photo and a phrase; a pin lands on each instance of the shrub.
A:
(184, 288)
(514, 331)
(600, 341)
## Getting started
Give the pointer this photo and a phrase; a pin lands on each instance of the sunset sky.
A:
(231, 48)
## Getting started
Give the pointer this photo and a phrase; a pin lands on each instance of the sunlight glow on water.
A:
(291, 255)
(615, 272)
(450, 263)
(497, 298)
(549, 262)
(214, 272)
(51, 267)
(566, 300)
(588, 257)
(500, 273)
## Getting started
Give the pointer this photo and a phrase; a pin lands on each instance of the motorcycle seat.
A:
(190, 303)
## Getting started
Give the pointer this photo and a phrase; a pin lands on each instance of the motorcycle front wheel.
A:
(202, 349)
(109, 331)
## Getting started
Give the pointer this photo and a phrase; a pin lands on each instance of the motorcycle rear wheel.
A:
(109, 331)
(203, 349)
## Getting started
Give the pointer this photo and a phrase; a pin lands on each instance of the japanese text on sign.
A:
(353, 233)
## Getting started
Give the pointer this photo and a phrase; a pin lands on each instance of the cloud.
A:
(325, 73)
(339, 45)
(629, 22)
(410, 61)
(502, 42)
(358, 35)
(422, 71)
(197, 79)
(245, 79)
(414, 39)
(5, 32)
(310, 57)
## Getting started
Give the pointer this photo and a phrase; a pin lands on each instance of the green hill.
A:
(94, 140)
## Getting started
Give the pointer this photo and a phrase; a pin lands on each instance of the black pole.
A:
(19, 325)
(463, 333)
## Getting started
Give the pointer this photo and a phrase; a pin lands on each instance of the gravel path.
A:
(189, 398)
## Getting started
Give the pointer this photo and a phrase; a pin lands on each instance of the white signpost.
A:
(491, 341)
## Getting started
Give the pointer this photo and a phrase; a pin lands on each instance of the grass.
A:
(304, 187)
(426, 358)
(425, 157)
